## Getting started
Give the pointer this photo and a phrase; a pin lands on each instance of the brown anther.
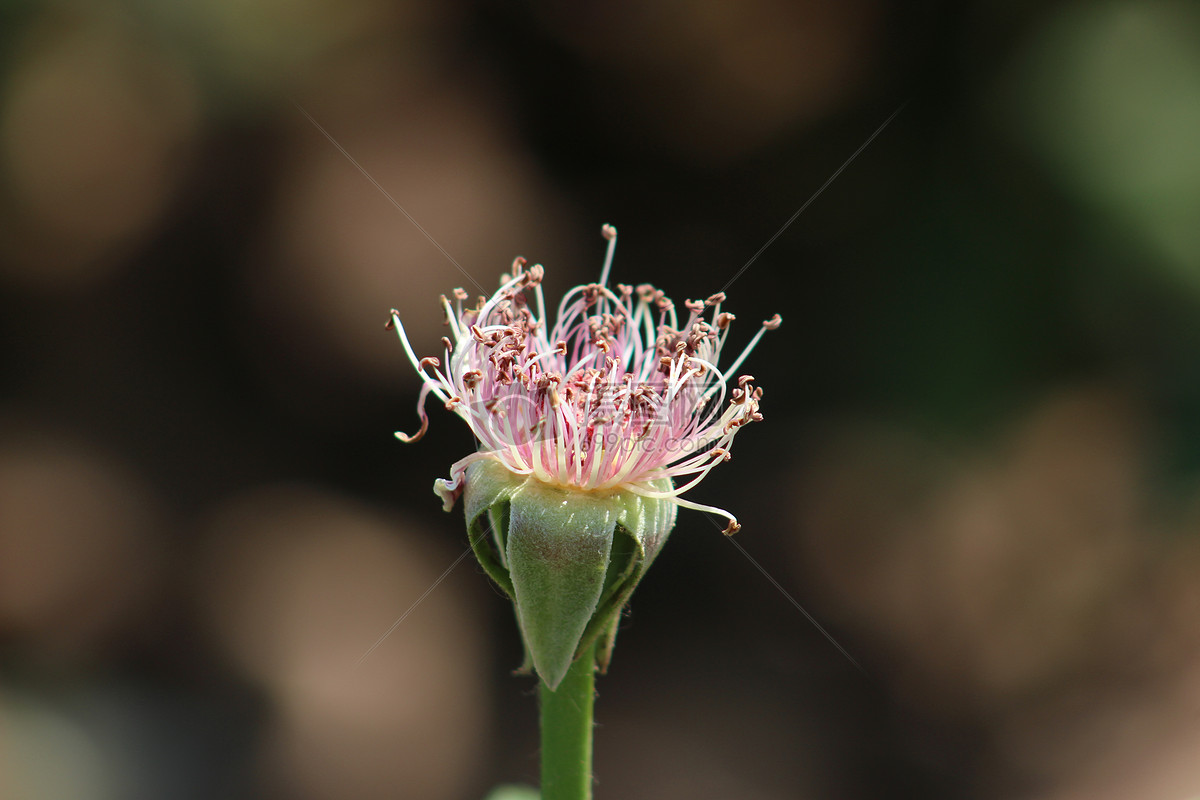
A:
(608, 231)
(665, 362)
(744, 379)
(773, 323)
(719, 297)
(592, 294)
(723, 319)
(721, 452)
(430, 361)
(518, 264)
(460, 293)
(732, 528)
(695, 306)
(452, 402)
(449, 345)
(561, 348)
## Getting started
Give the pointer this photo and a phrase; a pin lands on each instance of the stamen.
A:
(610, 233)
(613, 394)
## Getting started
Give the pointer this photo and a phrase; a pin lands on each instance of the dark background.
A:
(978, 468)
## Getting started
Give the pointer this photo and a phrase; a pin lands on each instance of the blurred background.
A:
(980, 467)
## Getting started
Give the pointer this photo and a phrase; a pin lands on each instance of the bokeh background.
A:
(980, 468)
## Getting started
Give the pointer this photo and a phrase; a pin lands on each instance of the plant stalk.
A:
(566, 725)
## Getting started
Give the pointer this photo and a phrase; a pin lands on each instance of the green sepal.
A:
(568, 558)
(559, 543)
(489, 489)
(646, 522)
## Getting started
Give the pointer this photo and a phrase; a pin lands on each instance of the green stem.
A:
(567, 732)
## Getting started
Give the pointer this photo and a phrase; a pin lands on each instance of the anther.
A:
(773, 323)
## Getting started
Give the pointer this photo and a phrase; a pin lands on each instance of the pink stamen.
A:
(608, 398)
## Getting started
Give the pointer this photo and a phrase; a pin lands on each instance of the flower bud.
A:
(569, 558)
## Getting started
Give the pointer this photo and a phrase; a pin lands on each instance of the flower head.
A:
(625, 392)
(583, 430)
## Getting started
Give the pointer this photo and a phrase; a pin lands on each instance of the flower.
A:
(583, 430)
(617, 395)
